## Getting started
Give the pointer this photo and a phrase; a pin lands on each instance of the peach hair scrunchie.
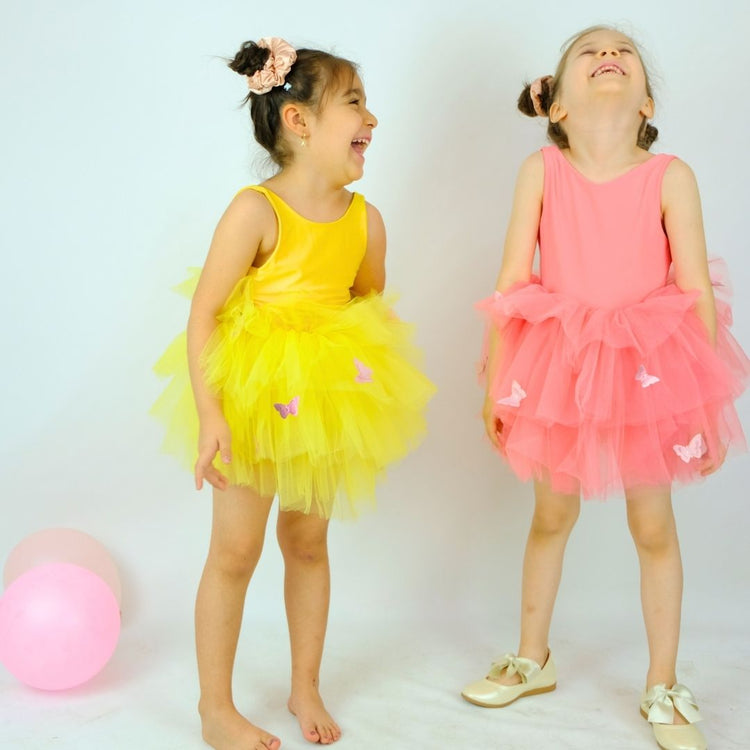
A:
(277, 66)
(535, 90)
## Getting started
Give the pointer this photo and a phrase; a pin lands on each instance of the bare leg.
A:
(239, 522)
(304, 543)
(555, 516)
(654, 532)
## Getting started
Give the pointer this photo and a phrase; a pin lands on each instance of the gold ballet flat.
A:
(534, 680)
(658, 706)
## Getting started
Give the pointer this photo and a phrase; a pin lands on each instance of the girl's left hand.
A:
(492, 423)
(711, 463)
(214, 437)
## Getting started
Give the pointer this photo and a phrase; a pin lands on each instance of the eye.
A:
(587, 52)
(354, 101)
(625, 49)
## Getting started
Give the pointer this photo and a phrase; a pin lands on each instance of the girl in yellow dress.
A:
(299, 380)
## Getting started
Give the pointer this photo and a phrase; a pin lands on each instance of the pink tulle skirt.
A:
(600, 400)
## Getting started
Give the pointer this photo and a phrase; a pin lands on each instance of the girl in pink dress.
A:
(614, 371)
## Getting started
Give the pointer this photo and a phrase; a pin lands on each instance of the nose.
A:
(371, 120)
(609, 51)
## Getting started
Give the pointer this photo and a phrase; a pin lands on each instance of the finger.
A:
(225, 449)
(202, 464)
(215, 478)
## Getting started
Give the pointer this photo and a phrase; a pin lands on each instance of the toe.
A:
(311, 734)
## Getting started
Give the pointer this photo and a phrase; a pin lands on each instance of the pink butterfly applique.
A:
(644, 378)
(696, 448)
(364, 373)
(286, 409)
(517, 394)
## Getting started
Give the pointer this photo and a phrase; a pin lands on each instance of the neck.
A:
(604, 138)
(311, 193)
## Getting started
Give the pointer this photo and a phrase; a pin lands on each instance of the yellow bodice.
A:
(312, 261)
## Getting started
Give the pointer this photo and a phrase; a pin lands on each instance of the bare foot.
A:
(228, 729)
(316, 723)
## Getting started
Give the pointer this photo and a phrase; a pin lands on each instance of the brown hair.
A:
(312, 76)
(551, 88)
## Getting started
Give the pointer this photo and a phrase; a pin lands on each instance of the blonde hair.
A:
(647, 133)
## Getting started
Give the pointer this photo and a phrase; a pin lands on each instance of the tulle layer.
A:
(597, 401)
(319, 399)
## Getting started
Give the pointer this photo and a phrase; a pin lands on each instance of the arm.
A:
(247, 225)
(683, 223)
(518, 258)
(371, 274)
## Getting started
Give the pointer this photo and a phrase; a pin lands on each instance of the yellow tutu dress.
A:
(321, 391)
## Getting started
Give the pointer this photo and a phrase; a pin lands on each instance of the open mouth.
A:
(360, 145)
(608, 68)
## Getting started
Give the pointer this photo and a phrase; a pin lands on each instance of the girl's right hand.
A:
(214, 437)
(492, 423)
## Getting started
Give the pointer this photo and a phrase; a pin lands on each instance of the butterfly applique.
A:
(644, 378)
(286, 409)
(364, 373)
(696, 448)
(517, 394)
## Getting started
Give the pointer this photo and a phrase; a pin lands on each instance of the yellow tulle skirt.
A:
(319, 399)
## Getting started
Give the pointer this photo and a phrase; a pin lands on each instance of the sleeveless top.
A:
(603, 244)
(312, 261)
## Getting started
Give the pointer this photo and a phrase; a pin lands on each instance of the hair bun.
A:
(648, 135)
(250, 59)
(536, 97)
(525, 102)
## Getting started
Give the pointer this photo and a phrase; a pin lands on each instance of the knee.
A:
(555, 520)
(298, 545)
(236, 558)
(653, 535)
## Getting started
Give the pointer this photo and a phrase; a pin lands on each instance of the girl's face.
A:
(342, 131)
(604, 63)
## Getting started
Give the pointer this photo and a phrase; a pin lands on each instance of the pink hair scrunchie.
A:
(277, 66)
(535, 89)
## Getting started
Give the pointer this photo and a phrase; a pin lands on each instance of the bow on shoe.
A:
(661, 704)
(526, 668)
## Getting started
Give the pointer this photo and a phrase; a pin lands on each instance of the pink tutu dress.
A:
(606, 379)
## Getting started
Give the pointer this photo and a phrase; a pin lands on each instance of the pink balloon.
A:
(63, 545)
(59, 625)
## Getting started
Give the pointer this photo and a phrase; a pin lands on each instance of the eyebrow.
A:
(358, 92)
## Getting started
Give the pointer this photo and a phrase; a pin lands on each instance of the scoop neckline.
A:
(577, 171)
(304, 218)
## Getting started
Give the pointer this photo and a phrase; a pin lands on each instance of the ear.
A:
(647, 109)
(557, 112)
(295, 119)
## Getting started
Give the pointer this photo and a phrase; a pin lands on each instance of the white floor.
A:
(392, 685)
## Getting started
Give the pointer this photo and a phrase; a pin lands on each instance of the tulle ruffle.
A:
(600, 400)
(319, 399)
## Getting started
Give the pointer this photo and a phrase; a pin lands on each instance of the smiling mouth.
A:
(608, 68)
(360, 145)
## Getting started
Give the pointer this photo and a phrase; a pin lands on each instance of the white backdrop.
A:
(122, 143)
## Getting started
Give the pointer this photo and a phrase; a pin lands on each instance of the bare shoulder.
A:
(375, 230)
(374, 217)
(532, 167)
(679, 173)
(252, 205)
(531, 174)
(533, 163)
(679, 183)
